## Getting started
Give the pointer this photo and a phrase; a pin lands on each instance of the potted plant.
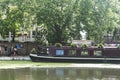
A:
(84, 46)
(118, 46)
(100, 45)
(58, 45)
(33, 51)
(73, 46)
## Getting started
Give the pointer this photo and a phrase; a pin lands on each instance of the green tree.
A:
(62, 19)
(106, 19)
(57, 16)
(98, 18)
(19, 15)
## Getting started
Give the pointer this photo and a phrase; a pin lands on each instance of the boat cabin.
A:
(68, 51)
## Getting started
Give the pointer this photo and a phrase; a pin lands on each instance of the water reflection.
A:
(59, 74)
(15, 74)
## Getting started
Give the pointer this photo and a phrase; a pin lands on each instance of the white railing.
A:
(20, 39)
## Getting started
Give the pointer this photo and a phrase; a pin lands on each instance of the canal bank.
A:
(29, 64)
(15, 58)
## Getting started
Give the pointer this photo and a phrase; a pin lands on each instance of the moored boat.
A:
(68, 54)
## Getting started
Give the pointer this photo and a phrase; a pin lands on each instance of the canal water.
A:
(59, 74)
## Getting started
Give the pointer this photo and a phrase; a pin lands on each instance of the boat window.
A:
(59, 52)
(97, 53)
(84, 53)
(72, 53)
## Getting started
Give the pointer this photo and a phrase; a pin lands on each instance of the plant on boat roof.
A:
(84, 46)
(34, 51)
(100, 45)
(73, 45)
(118, 46)
(58, 44)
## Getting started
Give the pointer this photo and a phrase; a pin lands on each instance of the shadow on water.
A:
(59, 74)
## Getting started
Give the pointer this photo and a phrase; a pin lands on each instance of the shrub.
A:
(73, 45)
(118, 46)
(68, 44)
(84, 46)
(34, 51)
(100, 45)
(58, 44)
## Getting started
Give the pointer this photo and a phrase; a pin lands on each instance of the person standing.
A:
(15, 51)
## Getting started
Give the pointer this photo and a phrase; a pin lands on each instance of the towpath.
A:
(15, 58)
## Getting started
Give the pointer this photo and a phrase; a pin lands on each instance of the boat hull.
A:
(38, 58)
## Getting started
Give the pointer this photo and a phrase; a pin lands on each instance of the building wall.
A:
(26, 47)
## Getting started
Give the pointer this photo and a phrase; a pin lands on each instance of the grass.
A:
(24, 64)
(31, 64)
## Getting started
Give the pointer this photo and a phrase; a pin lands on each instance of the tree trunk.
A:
(114, 35)
(13, 37)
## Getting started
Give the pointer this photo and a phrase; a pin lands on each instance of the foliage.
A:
(57, 16)
(58, 44)
(16, 12)
(34, 51)
(62, 19)
(100, 45)
(84, 46)
(40, 35)
(118, 46)
(44, 44)
(96, 17)
(73, 45)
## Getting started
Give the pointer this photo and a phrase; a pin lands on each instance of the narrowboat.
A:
(76, 55)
